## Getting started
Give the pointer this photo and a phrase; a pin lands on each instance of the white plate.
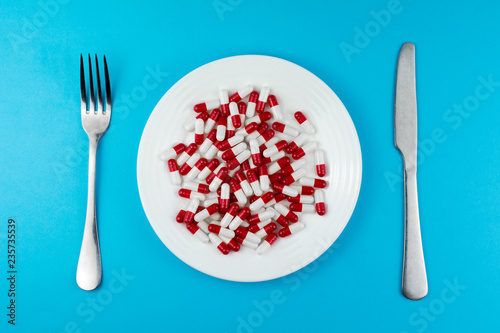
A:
(296, 89)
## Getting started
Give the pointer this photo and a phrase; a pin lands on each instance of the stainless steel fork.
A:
(95, 122)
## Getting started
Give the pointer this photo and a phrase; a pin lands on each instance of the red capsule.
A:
(209, 105)
(292, 229)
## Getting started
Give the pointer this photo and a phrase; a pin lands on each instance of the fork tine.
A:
(83, 89)
(108, 87)
(100, 106)
(91, 88)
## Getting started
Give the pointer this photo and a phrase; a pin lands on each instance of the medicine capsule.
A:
(285, 129)
(206, 106)
(206, 212)
(242, 110)
(314, 182)
(304, 208)
(266, 244)
(265, 137)
(235, 115)
(230, 130)
(174, 172)
(292, 229)
(199, 131)
(208, 142)
(254, 182)
(275, 108)
(224, 198)
(211, 176)
(275, 178)
(261, 102)
(241, 93)
(295, 176)
(320, 163)
(301, 152)
(201, 188)
(186, 154)
(306, 199)
(305, 190)
(261, 128)
(268, 144)
(248, 129)
(195, 171)
(304, 123)
(275, 157)
(230, 215)
(224, 102)
(281, 145)
(319, 197)
(296, 143)
(212, 120)
(212, 151)
(245, 166)
(230, 142)
(265, 183)
(219, 178)
(246, 243)
(255, 151)
(245, 234)
(208, 169)
(238, 192)
(172, 152)
(263, 228)
(180, 215)
(231, 243)
(265, 116)
(191, 210)
(221, 128)
(252, 103)
(239, 218)
(259, 203)
(278, 165)
(195, 230)
(245, 185)
(289, 169)
(286, 190)
(186, 167)
(233, 152)
(190, 194)
(287, 213)
(218, 230)
(282, 221)
(240, 158)
(221, 246)
(257, 218)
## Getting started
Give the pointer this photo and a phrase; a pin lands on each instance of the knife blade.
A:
(414, 284)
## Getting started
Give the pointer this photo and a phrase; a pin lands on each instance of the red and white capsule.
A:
(201, 188)
(246, 242)
(242, 109)
(261, 217)
(260, 202)
(238, 192)
(186, 154)
(180, 215)
(319, 197)
(292, 229)
(286, 190)
(305, 199)
(231, 243)
(266, 230)
(209, 168)
(304, 123)
(248, 129)
(320, 163)
(172, 152)
(314, 182)
(198, 166)
(208, 142)
(212, 120)
(206, 212)
(224, 102)
(296, 143)
(278, 165)
(218, 179)
(173, 168)
(304, 190)
(195, 230)
(205, 106)
(304, 208)
(245, 185)
(239, 218)
(230, 142)
(275, 157)
(265, 183)
(199, 131)
(266, 244)
(211, 176)
(255, 151)
(301, 152)
(254, 182)
(233, 210)
(186, 167)
(295, 176)
(190, 194)
(252, 103)
(240, 158)
(245, 234)
(241, 93)
(224, 198)
(279, 146)
(219, 244)
(221, 128)
(219, 230)
(261, 102)
(285, 129)
(268, 144)
(233, 152)
(213, 150)
(289, 169)
(264, 116)
(265, 137)
(275, 107)
(261, 128)
(287, 213)
(191, 210)
(235, 115)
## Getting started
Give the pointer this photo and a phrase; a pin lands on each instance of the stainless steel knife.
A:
(405, 134)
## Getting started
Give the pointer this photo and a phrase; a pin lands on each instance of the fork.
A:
(95, 122)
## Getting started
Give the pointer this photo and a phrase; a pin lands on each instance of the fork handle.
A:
(414, 274)
(89, 271)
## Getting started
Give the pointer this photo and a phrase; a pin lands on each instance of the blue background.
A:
(356, 284)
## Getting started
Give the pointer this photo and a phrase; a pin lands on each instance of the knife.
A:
(405, 135)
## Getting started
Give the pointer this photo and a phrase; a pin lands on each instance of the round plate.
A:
(296, 89)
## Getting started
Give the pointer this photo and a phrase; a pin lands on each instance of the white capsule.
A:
(209, 125)
(199, 126)
(211, 152)
(277, 156)
(207, 143)
(272, 150)
(247, 189)
(241, 197)
(226, 220)
(175, 177)
(265, 183)
(256, 188)
(243, 156)
(263, 248)
(287, 190)
(254, 146)
(221, 131)
(223, 96)
(235, 223)
(319, 157)
(296, 227)
(214, 185)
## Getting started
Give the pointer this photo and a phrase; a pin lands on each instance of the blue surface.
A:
(356, 284)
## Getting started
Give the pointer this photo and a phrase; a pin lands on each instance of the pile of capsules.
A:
(238, 174)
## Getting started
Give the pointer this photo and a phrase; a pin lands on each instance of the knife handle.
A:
(414, 275)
